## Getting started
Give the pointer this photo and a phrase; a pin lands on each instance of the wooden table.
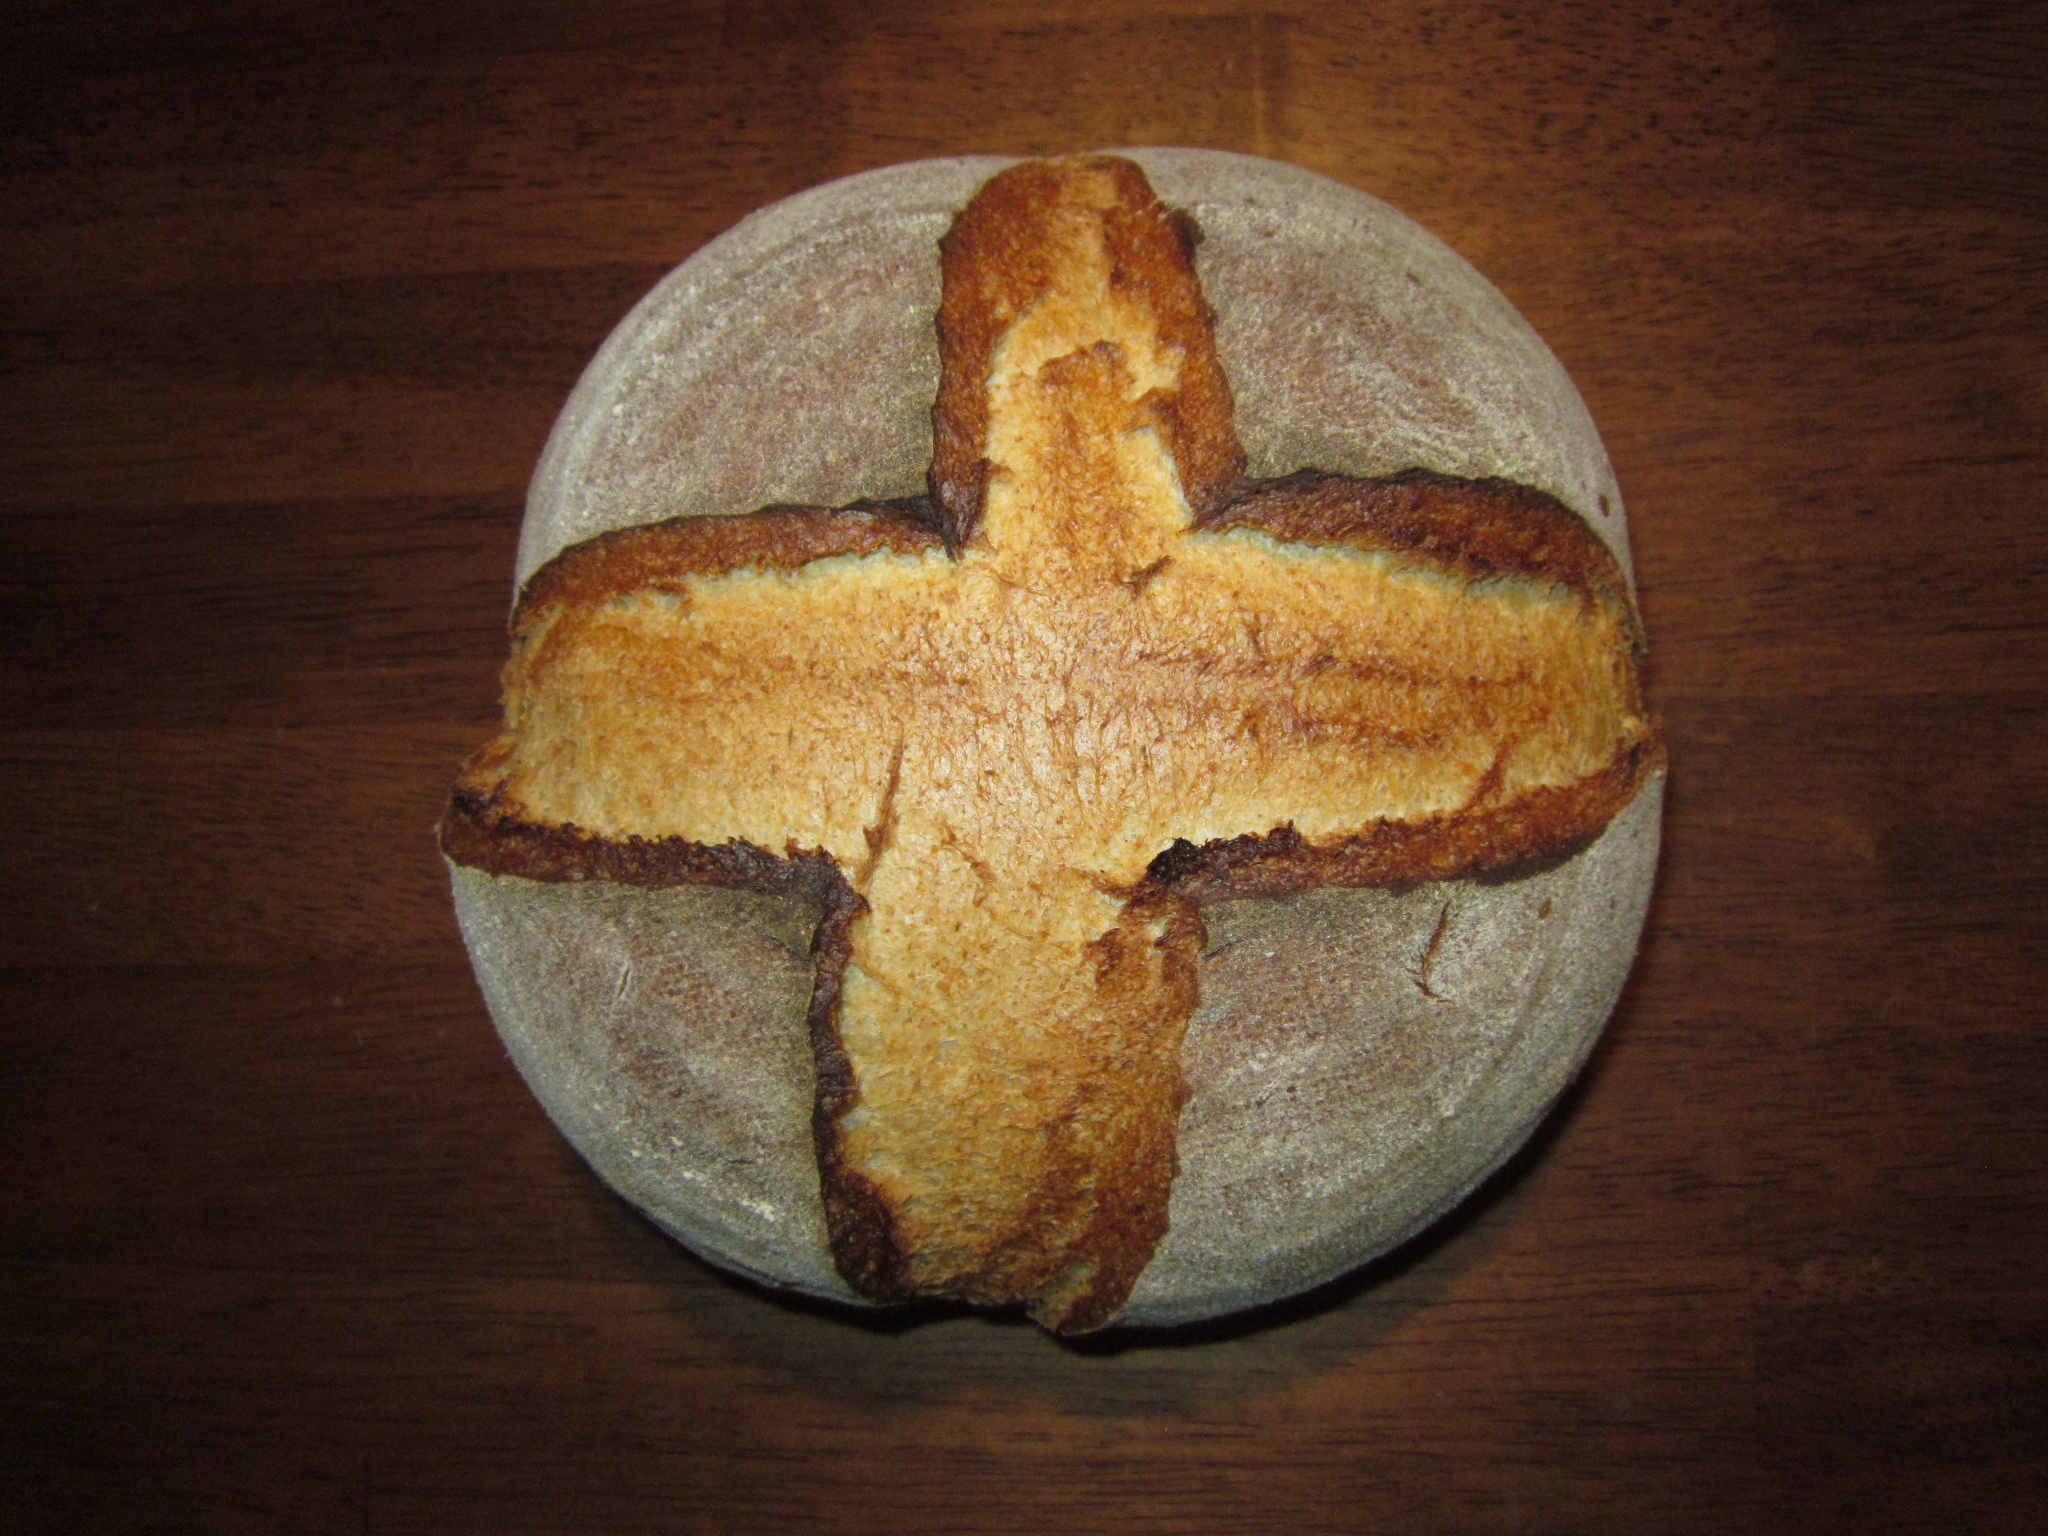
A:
(292, 295)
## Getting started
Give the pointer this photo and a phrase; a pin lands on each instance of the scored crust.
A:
(1012, 738)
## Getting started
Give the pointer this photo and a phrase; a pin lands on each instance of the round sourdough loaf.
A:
(1358, 1059)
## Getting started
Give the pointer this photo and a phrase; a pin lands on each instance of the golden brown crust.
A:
(1478, 530)
(661, 557)
(998, 262)
(1540, 826)
(1090, 1224)
(1013, 739)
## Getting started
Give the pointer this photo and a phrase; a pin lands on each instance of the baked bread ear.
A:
(1019, 751)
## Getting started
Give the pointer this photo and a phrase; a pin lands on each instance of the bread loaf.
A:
(1153, 866)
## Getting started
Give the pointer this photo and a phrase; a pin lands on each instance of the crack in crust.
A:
(1073, 1241)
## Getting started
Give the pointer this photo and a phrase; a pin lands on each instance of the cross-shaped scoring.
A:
(1035, 722)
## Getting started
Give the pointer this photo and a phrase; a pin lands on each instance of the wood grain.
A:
(291, 296)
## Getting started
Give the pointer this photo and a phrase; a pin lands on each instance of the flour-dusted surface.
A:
(664, 1033)
(790, 360)
(1357, 341)
(1362, 1059)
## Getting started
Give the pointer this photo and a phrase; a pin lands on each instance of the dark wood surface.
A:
(291, 296)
